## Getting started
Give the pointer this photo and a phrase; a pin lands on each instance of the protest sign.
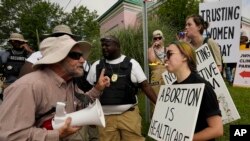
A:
(224, 18)
(208, 69)
(169, 78)
(174, 103)
(242, 72)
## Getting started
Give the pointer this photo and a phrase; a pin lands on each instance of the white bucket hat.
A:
(62, 30)
(157, 33)
(55, 49)
(17, 37)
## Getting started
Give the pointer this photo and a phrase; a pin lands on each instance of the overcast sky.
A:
(102, 6)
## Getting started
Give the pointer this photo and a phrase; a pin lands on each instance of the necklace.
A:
(114, 76)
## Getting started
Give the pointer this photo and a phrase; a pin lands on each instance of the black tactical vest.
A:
(122, 90)
(14, 64)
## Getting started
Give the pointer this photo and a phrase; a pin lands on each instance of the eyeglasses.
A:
(168, 54)
(157, 38)
(75, 55)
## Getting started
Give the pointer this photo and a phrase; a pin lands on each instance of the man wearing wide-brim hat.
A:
(57, 31)
(81, 82)
(27, 110)
(19, 43)
(60, 30)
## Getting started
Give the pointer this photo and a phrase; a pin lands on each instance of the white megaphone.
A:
(92, 115)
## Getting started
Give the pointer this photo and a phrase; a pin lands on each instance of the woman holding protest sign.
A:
(181, 60)
(194, 28)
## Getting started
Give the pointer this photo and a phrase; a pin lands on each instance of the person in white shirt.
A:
(119, 101)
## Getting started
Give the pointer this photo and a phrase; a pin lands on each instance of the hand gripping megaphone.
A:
(92, 115)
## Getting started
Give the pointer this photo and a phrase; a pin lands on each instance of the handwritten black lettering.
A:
(170, 113)
(170, 77)
(209, 72)
(203, 54)
(225, 32)
(225, 49)
(165, 132)
(214, 83)
(221, 14)
(185, 96)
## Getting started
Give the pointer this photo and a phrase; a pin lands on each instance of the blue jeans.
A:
(229, 71)
(229, 74)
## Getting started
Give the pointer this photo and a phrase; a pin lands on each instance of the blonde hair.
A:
(188, 51)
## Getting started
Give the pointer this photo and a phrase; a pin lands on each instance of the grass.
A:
(241, 98)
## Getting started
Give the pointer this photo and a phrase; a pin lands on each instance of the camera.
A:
(181, 34)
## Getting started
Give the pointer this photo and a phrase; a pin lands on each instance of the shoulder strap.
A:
(205, 40)
(126, 62)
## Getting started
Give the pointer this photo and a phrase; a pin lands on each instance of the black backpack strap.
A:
(205, 40)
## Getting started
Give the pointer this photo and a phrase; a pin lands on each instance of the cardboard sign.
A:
(174, 103)
(208, 69)
(224, 18)
(242, 73)
(169, 78)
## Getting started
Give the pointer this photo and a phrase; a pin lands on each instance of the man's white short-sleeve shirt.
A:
(137, 74)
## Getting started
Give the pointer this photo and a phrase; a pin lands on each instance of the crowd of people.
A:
(60, 72)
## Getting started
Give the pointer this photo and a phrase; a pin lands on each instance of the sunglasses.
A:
(157, 38)
(75, 55)
(168, 54)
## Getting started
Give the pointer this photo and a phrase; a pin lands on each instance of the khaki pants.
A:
(93, 133)
(122, 127)
(81, 135)
(156, 80)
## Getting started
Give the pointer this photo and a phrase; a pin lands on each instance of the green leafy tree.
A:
(9, 12)
(29, 17)
(39, 19)
(175, 12)
(83, 23)
(33, 18)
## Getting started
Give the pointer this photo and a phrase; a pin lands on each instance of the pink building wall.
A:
(113, 23)
(122, 16)
(130, 18)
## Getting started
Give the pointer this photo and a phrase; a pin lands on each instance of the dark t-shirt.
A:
(209, 104)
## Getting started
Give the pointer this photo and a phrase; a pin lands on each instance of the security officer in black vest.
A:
(13, 59)
(119, 100)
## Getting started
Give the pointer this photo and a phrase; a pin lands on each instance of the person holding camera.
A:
(193, 33)
(156, 62)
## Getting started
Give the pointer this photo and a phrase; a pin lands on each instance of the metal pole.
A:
(145, 49)
(38, 39)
